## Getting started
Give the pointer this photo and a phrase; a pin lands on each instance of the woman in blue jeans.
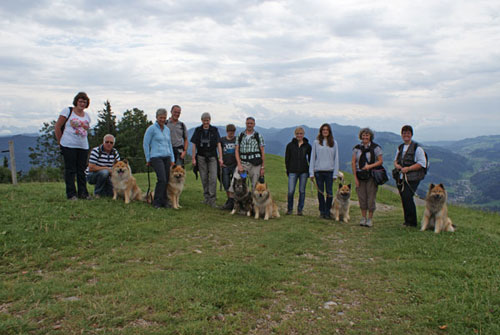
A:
(297, 156)
(324, 167)
(160, 155)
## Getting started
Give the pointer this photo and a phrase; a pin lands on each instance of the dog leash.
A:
(148, 192)
(317, 189)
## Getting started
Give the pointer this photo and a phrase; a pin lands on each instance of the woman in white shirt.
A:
(71, 132)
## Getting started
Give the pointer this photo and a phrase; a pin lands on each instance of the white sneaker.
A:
(362, 222)
(369, 223)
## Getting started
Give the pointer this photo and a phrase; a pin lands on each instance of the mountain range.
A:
(469, 168)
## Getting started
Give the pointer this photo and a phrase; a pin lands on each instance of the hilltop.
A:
(102, 266)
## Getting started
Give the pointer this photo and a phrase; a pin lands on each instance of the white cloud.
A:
(376, 63)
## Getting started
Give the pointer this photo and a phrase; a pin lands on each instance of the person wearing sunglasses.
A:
(101, 161)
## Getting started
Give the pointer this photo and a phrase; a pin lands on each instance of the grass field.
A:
(103, 267)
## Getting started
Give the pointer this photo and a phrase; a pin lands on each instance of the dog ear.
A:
(173, 167)
(442, 186)
(349, 186)
(125, 161)
(340, 185)
(431, 186)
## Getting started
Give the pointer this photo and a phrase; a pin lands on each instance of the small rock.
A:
(197, 251)
(328, 304)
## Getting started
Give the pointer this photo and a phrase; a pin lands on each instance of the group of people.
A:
(166, 143)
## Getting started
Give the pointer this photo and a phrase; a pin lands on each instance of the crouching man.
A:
(100, 166)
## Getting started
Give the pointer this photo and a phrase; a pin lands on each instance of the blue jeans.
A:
(102, 181)
(292, 183)
(227, 176)
(324, 179)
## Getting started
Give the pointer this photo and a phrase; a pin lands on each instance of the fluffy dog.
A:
(341, 204)
(263, 202)
(436, 211)
(176, 185)
(242, 197)
(124, 184)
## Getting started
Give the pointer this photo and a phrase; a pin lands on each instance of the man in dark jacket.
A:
(297, 156)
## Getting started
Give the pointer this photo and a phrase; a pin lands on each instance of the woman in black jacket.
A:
(297, 156)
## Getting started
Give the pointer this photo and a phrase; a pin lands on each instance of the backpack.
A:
(64, 124)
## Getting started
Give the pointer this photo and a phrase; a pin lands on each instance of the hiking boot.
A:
(369, 223)
(73, 198)
(289, 212)
(299, 213)
(362, 222)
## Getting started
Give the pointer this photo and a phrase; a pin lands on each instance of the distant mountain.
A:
(21, 145)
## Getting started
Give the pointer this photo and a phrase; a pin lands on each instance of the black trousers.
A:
(407, 191)
(161, 165)
(75, 164)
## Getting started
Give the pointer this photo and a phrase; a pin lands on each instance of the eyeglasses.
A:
(109, 142)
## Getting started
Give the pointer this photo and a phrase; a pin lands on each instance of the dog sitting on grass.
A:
(436, 210)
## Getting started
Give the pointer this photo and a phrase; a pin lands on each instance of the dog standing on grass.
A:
(341, 204)
(124, 184)
(263, 202)
(436, 210)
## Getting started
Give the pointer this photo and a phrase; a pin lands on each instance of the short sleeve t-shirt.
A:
(75, 131)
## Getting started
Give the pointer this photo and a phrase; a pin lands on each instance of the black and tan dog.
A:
(242, 197)
(341, 204)
(436, 210)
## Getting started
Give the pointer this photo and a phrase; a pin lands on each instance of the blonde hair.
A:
(299, 128)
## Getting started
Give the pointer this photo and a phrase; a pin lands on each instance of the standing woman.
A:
(297, 157)
(206, 145)
(324, 167)
(71, 131)
(160, 155)
(365, 157)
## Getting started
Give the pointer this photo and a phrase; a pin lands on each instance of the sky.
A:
(432, 64)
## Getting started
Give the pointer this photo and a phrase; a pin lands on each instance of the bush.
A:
(43, 174)
(5, 176)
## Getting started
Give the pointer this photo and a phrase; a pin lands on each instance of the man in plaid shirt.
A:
(250, 153)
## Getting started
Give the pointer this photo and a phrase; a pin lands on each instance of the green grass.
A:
(103, 267)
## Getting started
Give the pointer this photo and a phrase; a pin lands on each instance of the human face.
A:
(325, 132)
(406, 136)
(176, 113)
(81, 104)
(108, 144)
(250, 125)
(365, 138)
(230, 134)
(299, 135)
(206, 123)
(162, 118)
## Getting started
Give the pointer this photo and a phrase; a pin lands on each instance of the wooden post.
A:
(12, 163)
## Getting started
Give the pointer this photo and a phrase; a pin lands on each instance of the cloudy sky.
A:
(432, 64)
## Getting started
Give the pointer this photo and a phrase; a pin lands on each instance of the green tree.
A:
(131, 129)
(5, 162)
(46, 152)
(106, 124)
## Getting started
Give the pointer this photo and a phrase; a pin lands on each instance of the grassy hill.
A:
(103, 267)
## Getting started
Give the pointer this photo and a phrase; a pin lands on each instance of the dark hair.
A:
(171, 109)
(81, 95)
(368, 131)
(230, 127)
(407, 128)
(329, 138)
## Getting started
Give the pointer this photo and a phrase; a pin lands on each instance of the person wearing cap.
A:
(206, 146)
(228, 144)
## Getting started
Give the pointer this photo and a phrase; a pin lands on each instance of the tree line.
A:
(47, 162)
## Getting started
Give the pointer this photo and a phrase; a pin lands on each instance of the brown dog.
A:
(176, 185)
(263, 202)
(341, 204)
(436, 210)
(124, 184)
